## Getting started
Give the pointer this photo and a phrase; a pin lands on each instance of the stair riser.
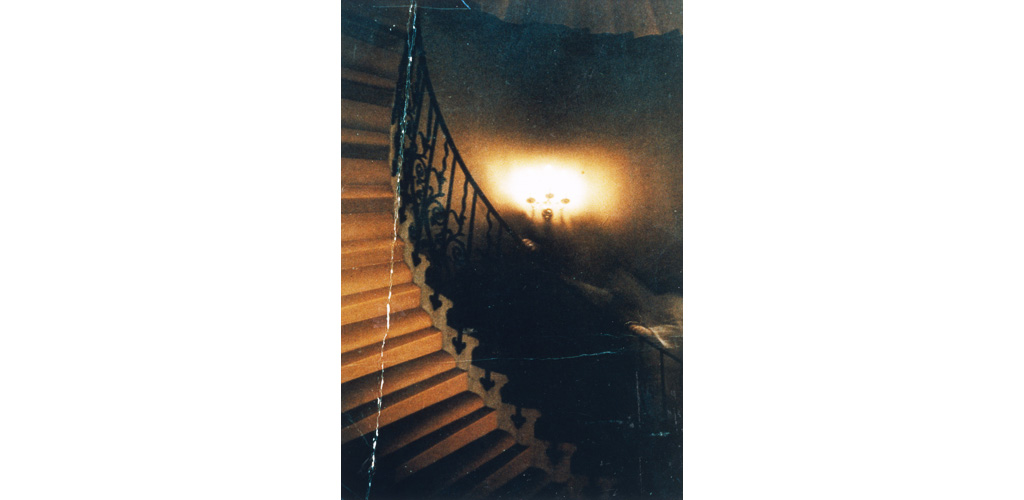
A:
(408, 352)
(370, 257)
(371, 332)
(387, 17)
(503, 475)
(357, 171)
(363, 116)
(373, 277)
(359, 55)
(373, 33)
(351, 313)
(394, 443)
(364, 191)
(367, 79)
(351, 136)
(472, 465)
(467, 435)
(352, 398)
(367, 227)
(364, 151)
(367, 206)
(359, 91)
(405, 407)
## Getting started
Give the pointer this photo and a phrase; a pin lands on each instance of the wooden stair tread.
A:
(367, 198)
(400, 440)
(457, 465)
(377, 293)
(401, 403)
(357, 90)
(366, 389)
(370, 79)
(364, 151)
(365, 116)
(359, 253)
(423, 436)
(363, 171)
(442, 442)
(368, 58)
(390, 16)
(366, 278)
(364, 226)
(371, 331)
(365, 138)
(356, 246)
(372, 303)
(378, 32)
(493, 474)
(399, 349)
(362, 191)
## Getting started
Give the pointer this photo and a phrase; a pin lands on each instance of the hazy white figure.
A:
(657, 316)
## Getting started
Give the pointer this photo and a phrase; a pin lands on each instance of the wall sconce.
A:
(547, 205)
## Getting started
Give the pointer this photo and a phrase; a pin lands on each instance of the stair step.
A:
(360, 191)
(403, 402)
(372, 303)
(359, 90)
(354, 137)
(525, 485)
(496, 473)
(367, 226)
(354, 75)
(396, 439)
(371, 331)
(390, 15)
(365, 116)
(399, 349)
(366, 389)
(366, 278)
(359, 253)
(405, 438)
(364, 198)
(457, 465)
(364, 151)
(362, 56)
(433, 447)
(366, 206)
(372, 32)
(360, 171)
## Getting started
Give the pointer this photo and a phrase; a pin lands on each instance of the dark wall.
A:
(613, 102)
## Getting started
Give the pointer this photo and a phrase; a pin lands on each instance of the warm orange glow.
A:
(597, 182)
(536, 182)
(588, 182)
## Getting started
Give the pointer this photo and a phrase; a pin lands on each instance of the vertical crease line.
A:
(411, 37)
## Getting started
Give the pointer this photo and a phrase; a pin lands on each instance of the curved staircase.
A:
(412, 425)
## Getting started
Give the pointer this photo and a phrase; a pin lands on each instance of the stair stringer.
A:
(558, 469)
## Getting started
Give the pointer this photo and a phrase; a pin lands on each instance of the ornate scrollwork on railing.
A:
(453, 223)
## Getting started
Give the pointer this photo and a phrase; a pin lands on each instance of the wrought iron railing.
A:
(453, 223)
(664, 372)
